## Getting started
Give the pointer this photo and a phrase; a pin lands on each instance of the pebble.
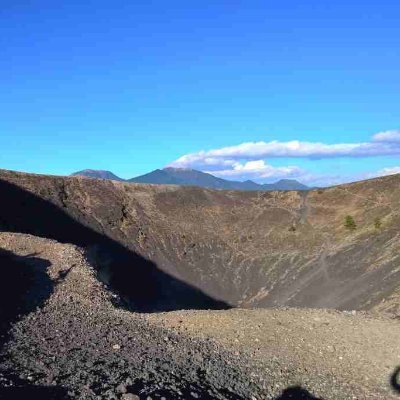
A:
(130, 396)
(90, 333)
(121, 388)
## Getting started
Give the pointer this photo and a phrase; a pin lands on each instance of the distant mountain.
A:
(192, 177)
(99, 174)
(158, 176)
(187, 177)
(285, 184)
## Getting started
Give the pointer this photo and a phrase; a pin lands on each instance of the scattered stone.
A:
(81, 331)
(130, 396)
(121, 388)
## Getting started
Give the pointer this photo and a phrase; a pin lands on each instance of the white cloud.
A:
(247, 160)
(383, 144)
(293, 148)
(387, 136)
(257, 170)
(385, 172)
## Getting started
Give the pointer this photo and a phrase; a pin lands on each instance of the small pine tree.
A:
(378, 223)
(349, 223)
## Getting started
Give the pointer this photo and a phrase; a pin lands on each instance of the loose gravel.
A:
(79, 343)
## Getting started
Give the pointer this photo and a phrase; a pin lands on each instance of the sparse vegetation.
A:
(292, 229)
(378, 223)
(349, 223)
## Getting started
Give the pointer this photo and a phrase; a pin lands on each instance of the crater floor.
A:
(79, 343)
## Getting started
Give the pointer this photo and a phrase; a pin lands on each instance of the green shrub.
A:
(378, 223)
(349, 223)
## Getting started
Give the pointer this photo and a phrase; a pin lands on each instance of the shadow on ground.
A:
(24, 285)
(24, 390)
(395, 380)
(142, 285)
(296, 393)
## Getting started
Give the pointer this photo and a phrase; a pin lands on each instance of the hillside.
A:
(248, 249)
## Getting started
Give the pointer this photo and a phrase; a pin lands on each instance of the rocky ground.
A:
(324, 350)
(70, 338)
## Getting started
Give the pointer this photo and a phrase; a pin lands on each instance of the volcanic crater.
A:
(102, 280)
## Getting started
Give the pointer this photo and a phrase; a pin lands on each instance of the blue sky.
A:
(133, 86)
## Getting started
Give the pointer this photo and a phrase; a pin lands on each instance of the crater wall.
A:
(247, 249)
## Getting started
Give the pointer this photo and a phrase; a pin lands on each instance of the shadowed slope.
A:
(141, 284)
(250, 249)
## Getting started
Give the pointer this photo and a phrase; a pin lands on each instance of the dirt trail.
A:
(305, 207)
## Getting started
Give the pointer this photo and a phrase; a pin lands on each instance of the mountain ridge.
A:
(98, 174)
(192, 177)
